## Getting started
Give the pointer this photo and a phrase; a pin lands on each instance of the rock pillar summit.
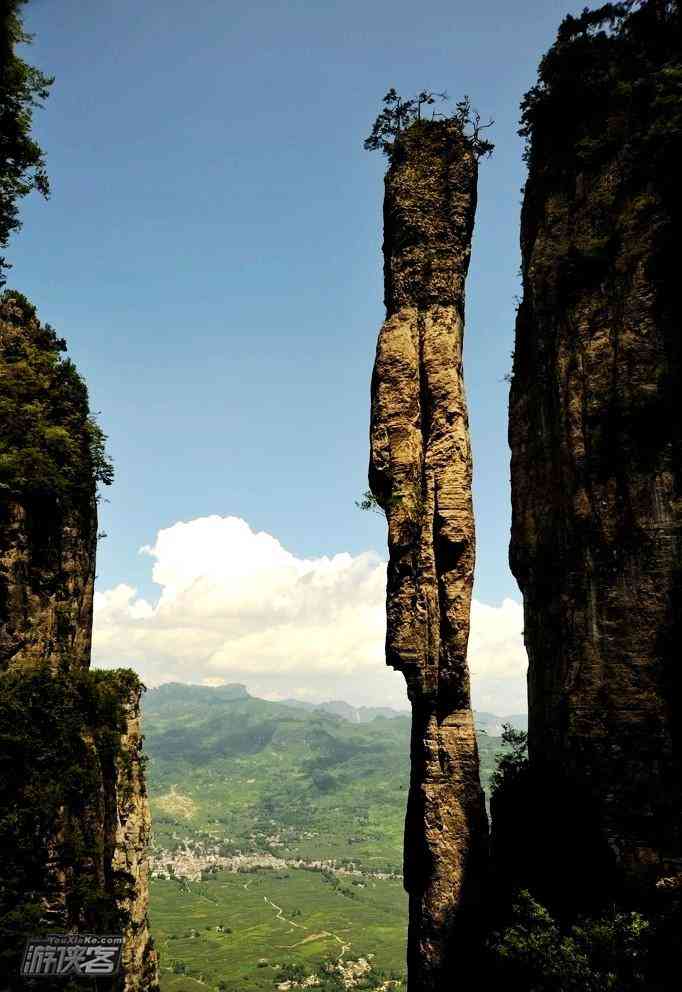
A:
(420, 474)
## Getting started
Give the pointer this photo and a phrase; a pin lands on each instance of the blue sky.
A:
(211, 251)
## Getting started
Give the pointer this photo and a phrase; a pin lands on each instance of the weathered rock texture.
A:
(130, 853)
(594, 431)
(47, 574)
(48, 511)
(51, 458)
(420, 473)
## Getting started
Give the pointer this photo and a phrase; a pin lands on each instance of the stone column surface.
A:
(420, 474)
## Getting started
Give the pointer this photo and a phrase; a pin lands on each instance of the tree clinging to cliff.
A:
(399, 114)
(22, 88)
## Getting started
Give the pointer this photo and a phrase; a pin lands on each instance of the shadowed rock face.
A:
(79, 783)
(47, 571)
(131, 837)
(420, 473)
(594, 432)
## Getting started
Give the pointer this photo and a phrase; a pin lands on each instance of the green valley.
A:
(277, 839)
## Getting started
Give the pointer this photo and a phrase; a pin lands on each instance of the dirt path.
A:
(345, 945)
(281, 917)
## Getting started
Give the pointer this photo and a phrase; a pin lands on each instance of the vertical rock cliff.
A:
(130, 847)
(420, 473)
(594, 431)
(48, 513)
(74, 814)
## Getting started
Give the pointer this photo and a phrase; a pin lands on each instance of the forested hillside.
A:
(255, 775)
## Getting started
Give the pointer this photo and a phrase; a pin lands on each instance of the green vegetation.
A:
(617, 951)
(230, 930)
(231, 773)
(604, 124)
(611, 83)
(413, 505)
(51, 448)
(400, 115)
(592, 955)
(368, 501)
(231, 769)
(611, 948)
(510, 765)
(242, 769)
(59, 741)
(22, 87)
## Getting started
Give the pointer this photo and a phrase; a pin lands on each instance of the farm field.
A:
(271, 919)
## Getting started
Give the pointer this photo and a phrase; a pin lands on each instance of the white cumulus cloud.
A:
(236, 606)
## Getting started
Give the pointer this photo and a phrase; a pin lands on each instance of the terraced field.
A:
(273, 919)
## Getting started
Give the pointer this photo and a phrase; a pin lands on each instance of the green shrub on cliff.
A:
(511, 764)
(22, 87)
(604, 124)
(536, 954)
(398, 115)
(603, 130)
(611, 82)
(606, 948)
(50, 444)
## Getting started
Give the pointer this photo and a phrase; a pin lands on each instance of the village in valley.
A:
(194, 861)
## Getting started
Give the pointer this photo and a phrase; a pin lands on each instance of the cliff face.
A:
(420, 473)
(594, 432)
(130, 852)
(46, 583)
(48, 513)
(74, 814)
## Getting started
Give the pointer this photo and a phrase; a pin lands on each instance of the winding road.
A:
(345, 945)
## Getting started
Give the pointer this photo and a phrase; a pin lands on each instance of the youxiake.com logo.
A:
(76, 955)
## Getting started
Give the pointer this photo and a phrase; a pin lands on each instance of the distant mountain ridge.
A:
(354, 714)
(489, 723)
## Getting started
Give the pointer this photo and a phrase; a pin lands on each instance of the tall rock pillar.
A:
(594, 429)
(420, 473)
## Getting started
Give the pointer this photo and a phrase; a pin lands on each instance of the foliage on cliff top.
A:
(399, 116)
(611, 82)
(50, 776)
(22, 88)
(50, 443)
